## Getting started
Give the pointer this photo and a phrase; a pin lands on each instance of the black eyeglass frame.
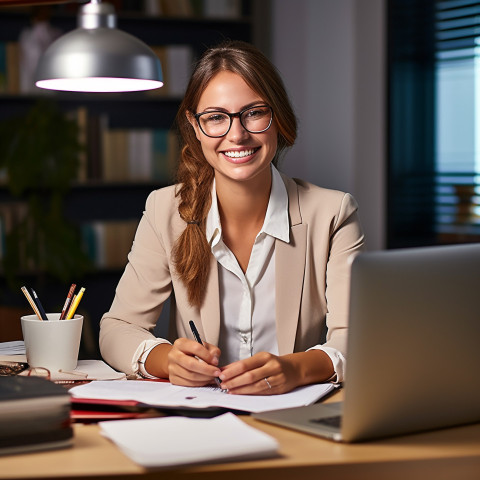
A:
(232, 116)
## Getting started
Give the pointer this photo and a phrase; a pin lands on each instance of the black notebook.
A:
(34, 415)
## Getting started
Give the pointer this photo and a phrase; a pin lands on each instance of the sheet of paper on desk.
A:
(98, 370)
(167, 395)
(16, 347)
(167, 441)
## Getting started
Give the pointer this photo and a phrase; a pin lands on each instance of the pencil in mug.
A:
(39, 304)
(68, 301)
(31, 302)
(74, 304)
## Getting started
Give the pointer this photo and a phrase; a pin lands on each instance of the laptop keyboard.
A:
(335, 421)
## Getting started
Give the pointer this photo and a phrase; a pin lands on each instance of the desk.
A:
(441, 455)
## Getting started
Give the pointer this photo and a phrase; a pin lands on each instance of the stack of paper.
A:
(168, 441)
(17, 347)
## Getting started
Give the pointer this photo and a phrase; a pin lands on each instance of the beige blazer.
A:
(312, 274)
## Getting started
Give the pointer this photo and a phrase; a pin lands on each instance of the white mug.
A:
(53, 344)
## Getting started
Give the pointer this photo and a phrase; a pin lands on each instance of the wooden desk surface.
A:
(444, 454)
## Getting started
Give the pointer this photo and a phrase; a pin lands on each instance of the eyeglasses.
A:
(12, 368)
(20, 368)
(217, 124)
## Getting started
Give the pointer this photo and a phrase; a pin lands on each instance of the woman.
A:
(259, 262)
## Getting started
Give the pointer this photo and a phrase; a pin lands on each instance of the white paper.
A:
(17, 347)
(95, 370)
(161, 394)
(86, 369)
(167, 441)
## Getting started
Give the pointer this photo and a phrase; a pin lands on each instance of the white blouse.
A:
(247, 309)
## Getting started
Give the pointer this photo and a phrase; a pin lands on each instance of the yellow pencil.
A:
(74, 305)
(31, 302)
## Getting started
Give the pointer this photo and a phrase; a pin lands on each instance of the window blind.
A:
(457, 47)
(457, 28)
(426, 205)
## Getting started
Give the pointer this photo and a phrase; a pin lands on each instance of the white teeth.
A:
(239, 154)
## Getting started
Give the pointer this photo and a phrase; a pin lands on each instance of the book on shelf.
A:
(176, 8)
(92, 168)
(138, 155)
(230, 9)
(13, 215)
(2, 238)
(115, 155)
(3, 67)
(34, 415)
(5, 228)
(10, 67)
(13, 67)
(177, 66)
(82, 123)
(193, 8)
(108, 243)
(118, 155)
(169, 8)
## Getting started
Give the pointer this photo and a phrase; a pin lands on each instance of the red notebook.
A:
(94, 410)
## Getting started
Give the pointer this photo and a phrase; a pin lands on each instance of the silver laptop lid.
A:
(418, 311)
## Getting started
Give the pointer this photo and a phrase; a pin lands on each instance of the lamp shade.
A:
(97, 57)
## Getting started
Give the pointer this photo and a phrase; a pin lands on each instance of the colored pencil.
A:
(31, 302)
(68, 301)
(74, 304)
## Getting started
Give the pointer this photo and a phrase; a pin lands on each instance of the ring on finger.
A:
(268, 383)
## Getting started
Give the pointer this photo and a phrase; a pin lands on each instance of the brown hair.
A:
(191, 253)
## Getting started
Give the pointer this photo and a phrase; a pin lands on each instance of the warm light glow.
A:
(99, 84)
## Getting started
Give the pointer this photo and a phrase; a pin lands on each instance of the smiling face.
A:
(239, 155)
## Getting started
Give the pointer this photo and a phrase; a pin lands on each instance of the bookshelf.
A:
(107, 198)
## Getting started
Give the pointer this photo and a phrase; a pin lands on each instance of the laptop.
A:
(413, 347)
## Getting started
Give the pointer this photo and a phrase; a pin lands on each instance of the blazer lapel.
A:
(289, 274)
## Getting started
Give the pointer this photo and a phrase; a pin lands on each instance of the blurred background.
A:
(385, 92)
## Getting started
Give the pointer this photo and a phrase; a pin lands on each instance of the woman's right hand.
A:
(192, 364)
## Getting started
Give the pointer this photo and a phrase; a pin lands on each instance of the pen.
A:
(31, 302)
(39, 305)
(67, 301)
(199, 340)
(74, 304)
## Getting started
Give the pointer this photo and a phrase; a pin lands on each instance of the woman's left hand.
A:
(261, 374)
